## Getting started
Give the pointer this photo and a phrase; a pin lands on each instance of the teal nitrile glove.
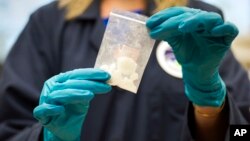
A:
(199, 40)
(64, 102)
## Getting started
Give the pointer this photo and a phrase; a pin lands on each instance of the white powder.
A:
(123, 73)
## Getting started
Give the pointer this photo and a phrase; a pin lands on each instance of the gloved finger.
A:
(164, 15)
(81, 74)
(70, 96)
(226, 29)
(94, 86)
(44, 112)
(200, 22)
(168, 28)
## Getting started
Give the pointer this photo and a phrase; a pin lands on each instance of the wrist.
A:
(203, 80)
(49, 136)
(208, 112)
(210, 94)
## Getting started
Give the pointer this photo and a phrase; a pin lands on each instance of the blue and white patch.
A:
(167, 60)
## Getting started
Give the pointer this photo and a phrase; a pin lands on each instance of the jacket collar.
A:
(92, 12)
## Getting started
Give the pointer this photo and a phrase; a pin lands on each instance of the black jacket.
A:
(159, 112)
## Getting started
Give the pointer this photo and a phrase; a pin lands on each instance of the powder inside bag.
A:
(123, 73)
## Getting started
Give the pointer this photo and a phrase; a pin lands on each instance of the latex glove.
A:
(199, 40)
(64, 102)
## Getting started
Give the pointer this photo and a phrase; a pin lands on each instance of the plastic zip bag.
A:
(125, 49)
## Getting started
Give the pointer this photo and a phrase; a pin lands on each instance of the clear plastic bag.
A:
(125, 49)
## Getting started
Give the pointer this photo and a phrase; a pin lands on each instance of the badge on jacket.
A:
(167, 60)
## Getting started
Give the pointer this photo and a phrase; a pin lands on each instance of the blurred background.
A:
(14, 14)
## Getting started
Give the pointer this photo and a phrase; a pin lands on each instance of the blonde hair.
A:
(75, 8)
(162, 4)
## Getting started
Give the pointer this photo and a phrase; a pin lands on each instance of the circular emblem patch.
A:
(167, 60)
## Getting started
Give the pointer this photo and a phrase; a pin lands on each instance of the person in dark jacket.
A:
(50, 91)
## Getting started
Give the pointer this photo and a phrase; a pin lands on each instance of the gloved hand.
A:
(199, 40)
(64, 102)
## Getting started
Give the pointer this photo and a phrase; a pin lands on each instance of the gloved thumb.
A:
(227, 30)
(44, 112)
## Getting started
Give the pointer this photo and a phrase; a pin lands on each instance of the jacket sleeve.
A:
(28, 65)
(238, 87)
